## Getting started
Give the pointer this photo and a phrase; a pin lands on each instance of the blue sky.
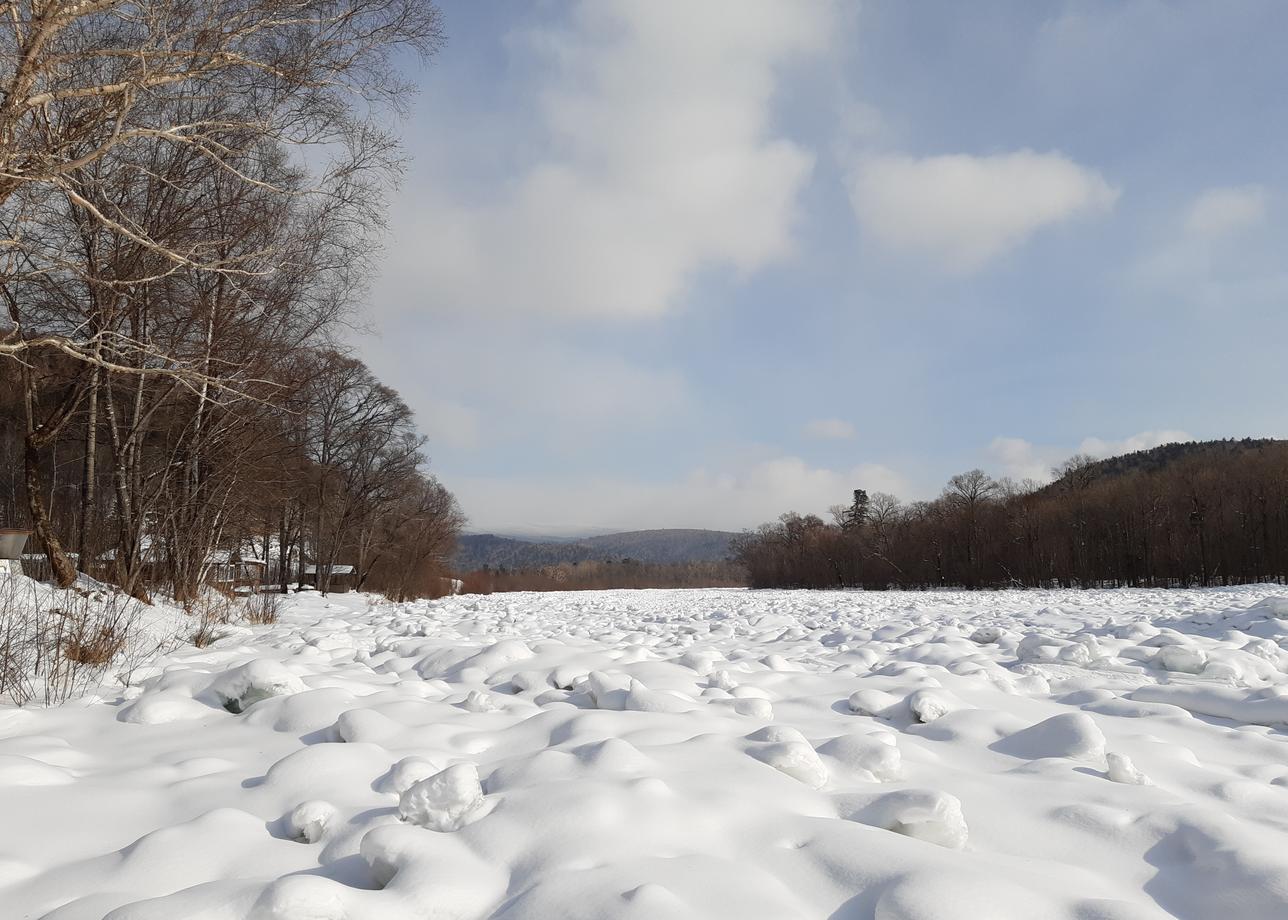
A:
(674, 264)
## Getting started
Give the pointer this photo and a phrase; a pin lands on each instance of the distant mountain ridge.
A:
(474, 551)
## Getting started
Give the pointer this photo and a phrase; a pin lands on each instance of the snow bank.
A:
(88, 639)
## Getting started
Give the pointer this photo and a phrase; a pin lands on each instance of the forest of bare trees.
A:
(1212, 516)
(191, 192)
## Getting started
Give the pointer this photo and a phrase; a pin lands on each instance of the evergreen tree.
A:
(857, 513)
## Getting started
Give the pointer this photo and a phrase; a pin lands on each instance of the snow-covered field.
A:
(1104, 755)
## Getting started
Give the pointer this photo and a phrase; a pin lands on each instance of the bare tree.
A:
(163, 139)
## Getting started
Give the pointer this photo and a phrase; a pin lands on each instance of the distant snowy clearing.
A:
(676, 755)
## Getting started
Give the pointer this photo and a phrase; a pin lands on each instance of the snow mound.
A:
(1122, 770)
(405, 774)
(1274, 606)
(987, 635)
(874, 756)
(479, 701)
(242, 687)
(16, 770)
(788, 752)
(872, 702)
(924, 814)
(1074, 735)
(308, 821)
(161, 707)
(446, 801)
(1182, 658)
(932, 704)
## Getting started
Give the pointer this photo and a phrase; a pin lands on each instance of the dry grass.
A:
(261, 608)
(96, 645)
(476, 583)
(205, 634)
(212, 609)
(57, 645)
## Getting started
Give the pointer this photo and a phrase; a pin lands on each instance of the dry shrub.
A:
(95, 645)
(205, 634)
(212, 609)
(428, 580)
(476, 583)
(261, 608)
(55, 645)
(438, 586)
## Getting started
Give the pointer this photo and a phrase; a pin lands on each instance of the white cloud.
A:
(484, 392)
(1222, 211)
(1222, 255)
(1021, 459)
(1097, 447)
(830, 429)
(657, 161)
(731, 501)
(964, 211)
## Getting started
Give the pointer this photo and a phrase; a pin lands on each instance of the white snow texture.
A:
(675, 755)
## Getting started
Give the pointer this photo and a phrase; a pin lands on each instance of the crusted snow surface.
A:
(1098, 755)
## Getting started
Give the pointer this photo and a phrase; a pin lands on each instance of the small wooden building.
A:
(343, 578)
(231, 572)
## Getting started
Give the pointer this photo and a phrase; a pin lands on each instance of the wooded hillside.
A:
(1201, 514)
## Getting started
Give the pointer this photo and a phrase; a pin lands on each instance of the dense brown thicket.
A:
(190, 191)
(590, 576)
(1208, 518)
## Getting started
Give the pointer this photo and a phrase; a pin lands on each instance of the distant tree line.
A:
(1215, 516)
(600, 575)
(190, 193)
(674, 545)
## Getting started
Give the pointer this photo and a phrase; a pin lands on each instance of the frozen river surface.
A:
(675, 755)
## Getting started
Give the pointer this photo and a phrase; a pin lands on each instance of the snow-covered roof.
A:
(149, 551)
(225, 557)
(335, 570)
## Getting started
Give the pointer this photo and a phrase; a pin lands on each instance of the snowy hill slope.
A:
(697, 755)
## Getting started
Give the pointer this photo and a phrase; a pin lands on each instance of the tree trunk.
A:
(64, 571)
(283, 551)
(89, 490)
